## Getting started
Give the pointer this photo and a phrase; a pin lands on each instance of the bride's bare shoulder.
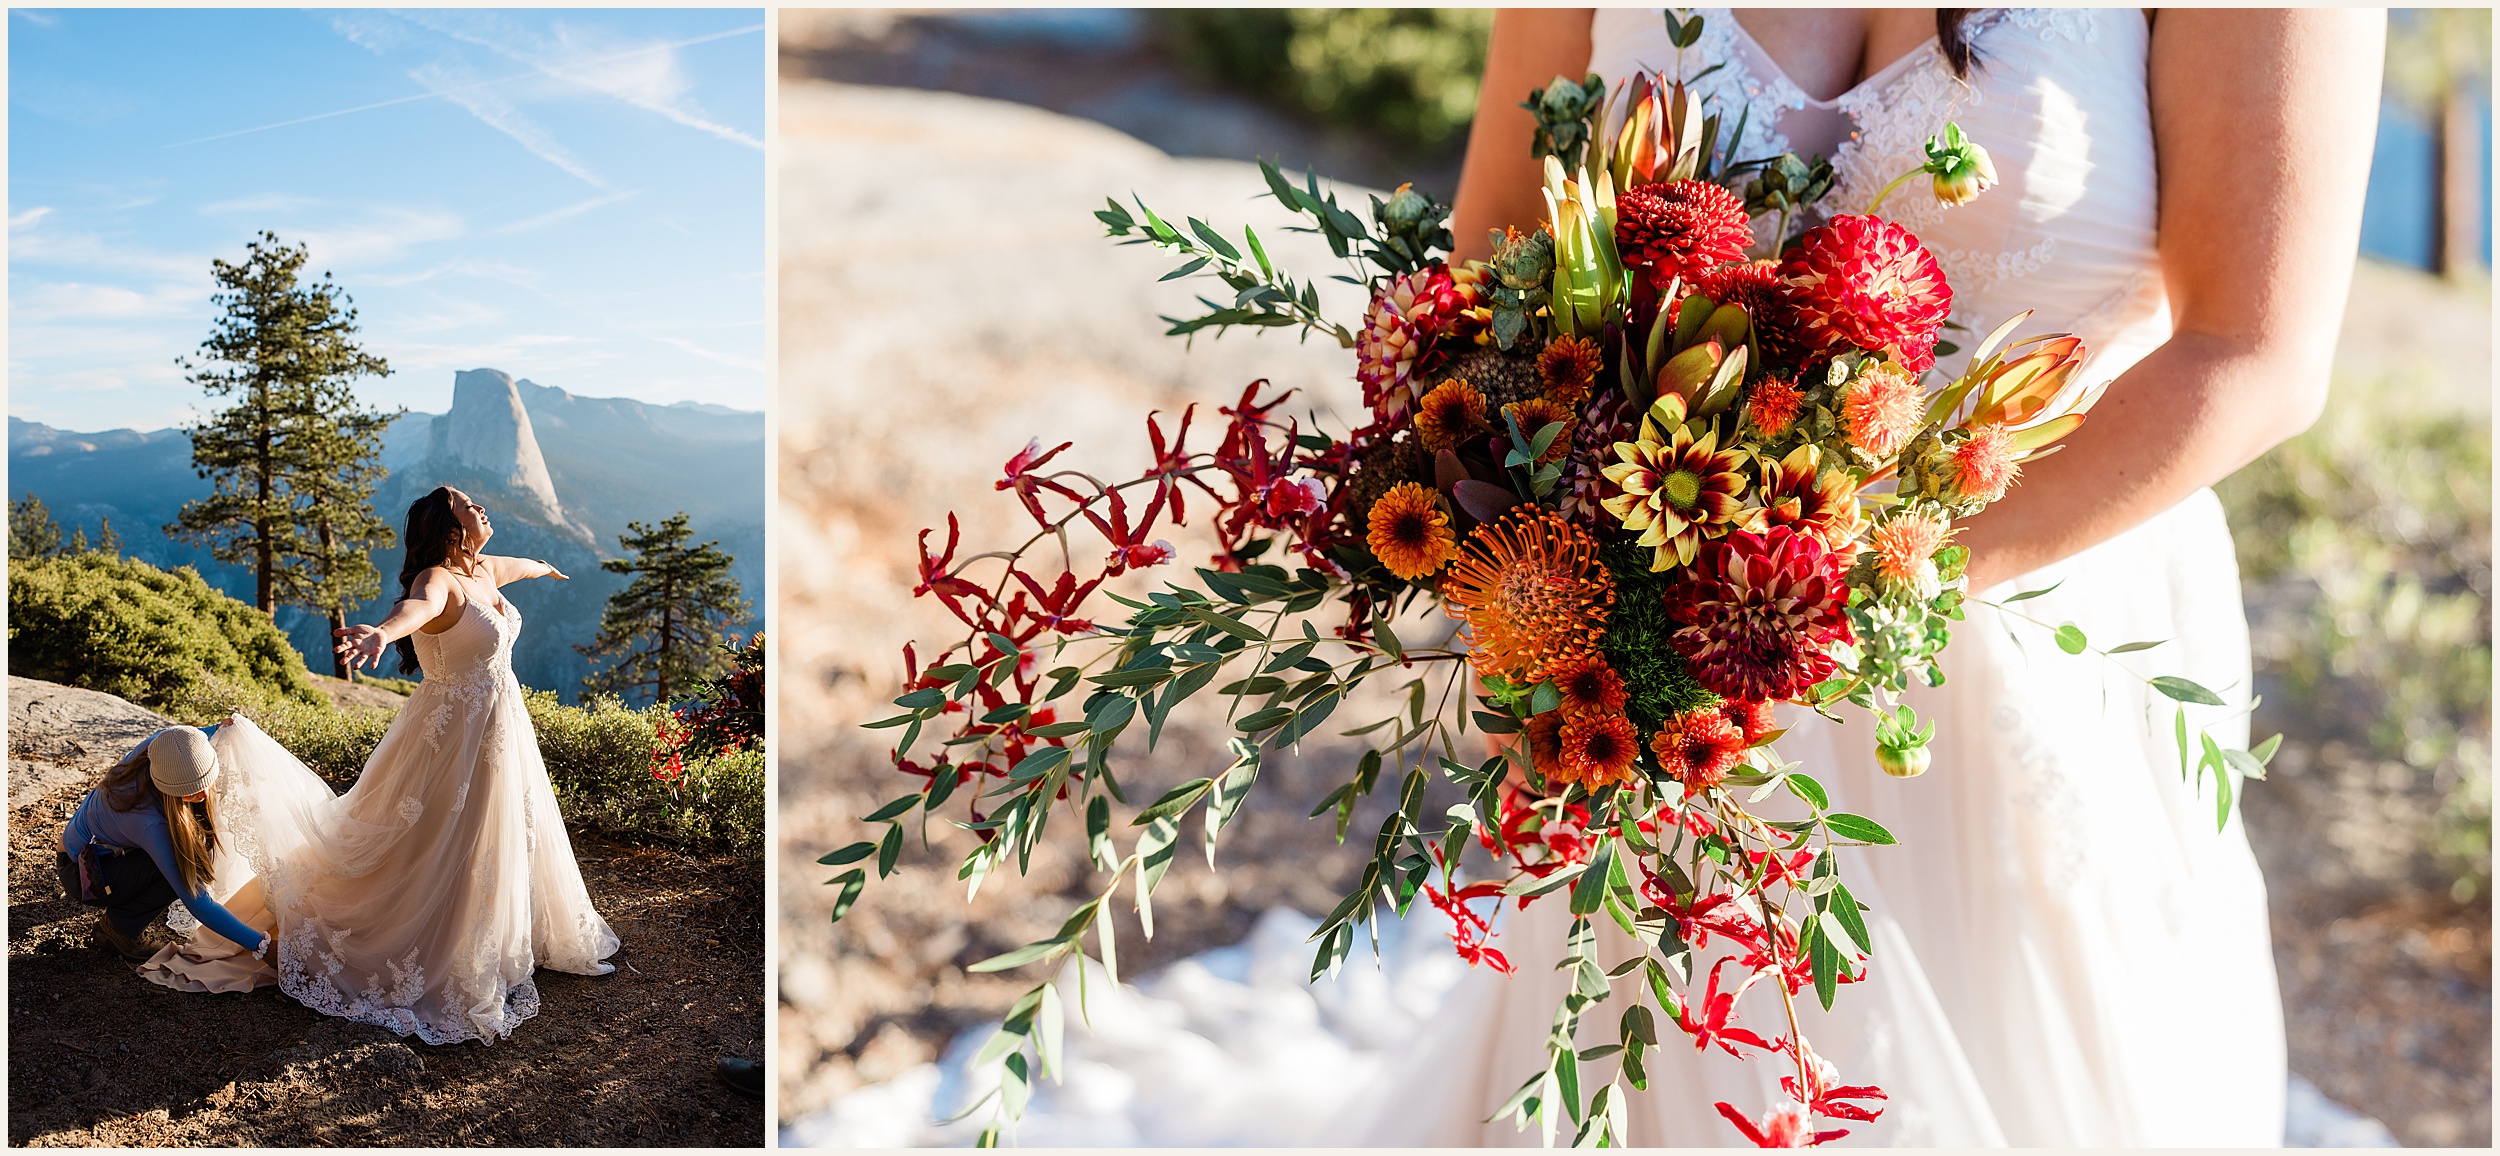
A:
(436, 584)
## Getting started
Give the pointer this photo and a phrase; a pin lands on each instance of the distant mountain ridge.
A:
(562, 473)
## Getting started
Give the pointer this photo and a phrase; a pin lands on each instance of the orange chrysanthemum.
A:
(1538, 412)
(1453, 410)
(1589, 686)
(1883, 409)
(1545, 743)
(1752, 719)
(1983, 467)
(1903, 549)
(1532, 592)
(1699, 748)
(1410, 532)
(1774, 405)
(1598, 749)
(1569, 368)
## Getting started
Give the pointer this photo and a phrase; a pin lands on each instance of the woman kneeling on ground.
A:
(146, 837)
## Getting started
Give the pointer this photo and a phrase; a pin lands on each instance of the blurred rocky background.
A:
(946, 295)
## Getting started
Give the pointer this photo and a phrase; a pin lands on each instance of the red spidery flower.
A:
(1867, 282)
(1683, 229)
(1757, 610)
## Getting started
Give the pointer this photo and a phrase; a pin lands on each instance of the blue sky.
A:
(572, 196)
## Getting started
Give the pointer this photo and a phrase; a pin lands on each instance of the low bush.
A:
(152, 636)
(2365, 547)
(1407, 75)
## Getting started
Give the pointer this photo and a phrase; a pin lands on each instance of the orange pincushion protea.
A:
(1903, 550)
(1773, 405)
(1410, 532)
(1883, 409)
(1453, 410)
(1589, 686)
(1532, 592)
(1984, 465)
(1598, 749)
(1569, 366)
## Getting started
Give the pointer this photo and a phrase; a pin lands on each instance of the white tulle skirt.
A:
(420, 901)
(2067, 952)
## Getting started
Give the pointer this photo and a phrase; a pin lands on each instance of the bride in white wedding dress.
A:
(424, 898)
(2065, 951)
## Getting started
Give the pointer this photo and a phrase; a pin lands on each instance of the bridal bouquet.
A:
(1667, 462)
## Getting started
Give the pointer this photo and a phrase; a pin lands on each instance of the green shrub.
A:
(599, 756)
(1408, 75)
(154, 637)
(2365, 544)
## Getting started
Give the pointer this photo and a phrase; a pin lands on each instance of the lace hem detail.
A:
(310, 971)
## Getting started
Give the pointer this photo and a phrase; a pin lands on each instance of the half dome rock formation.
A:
(488, 432)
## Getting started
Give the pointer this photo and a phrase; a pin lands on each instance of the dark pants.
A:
(134, 891)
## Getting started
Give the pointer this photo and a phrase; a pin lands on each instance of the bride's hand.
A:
(360, 645)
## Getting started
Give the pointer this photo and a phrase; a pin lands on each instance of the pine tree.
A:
(32, 532)
(295, 460)
(666, 626)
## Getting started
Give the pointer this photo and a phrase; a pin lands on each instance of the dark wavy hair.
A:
(1953, 43)
(432, 530)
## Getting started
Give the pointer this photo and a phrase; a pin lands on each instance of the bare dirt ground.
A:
(99, 1057)
(927, 336)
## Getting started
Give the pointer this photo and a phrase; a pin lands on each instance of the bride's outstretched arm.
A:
(516, 569)
(428, 598)
(2262, 119)
(1499, 183)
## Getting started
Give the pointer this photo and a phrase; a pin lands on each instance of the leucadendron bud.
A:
(1960, 168)
(1405, 210)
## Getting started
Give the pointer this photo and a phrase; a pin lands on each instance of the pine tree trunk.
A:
(338, 661)
(2460, 183)
(263, 595)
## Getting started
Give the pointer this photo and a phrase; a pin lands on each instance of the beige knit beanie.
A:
(181, 762)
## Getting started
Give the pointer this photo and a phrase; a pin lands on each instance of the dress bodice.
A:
(2058, 99)
(476, 650)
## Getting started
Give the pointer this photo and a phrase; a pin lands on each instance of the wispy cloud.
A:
(452, 83)
(259, 203)
(733, 361)
(645, 76)
(382, 234)
(27, 219)
(573, 210)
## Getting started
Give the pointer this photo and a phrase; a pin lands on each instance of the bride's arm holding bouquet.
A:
(2263, 119)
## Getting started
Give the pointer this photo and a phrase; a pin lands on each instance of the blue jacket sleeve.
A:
(211, 914)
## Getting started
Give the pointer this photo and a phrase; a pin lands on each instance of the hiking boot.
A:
(745, 1077)
(129, 947)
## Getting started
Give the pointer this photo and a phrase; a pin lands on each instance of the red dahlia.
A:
(1757, 610)
(1685, 229)
(1756, 286)
(1867, 282)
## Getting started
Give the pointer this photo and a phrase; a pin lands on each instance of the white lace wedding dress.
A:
(422, 899)
(2066, 952)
